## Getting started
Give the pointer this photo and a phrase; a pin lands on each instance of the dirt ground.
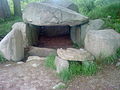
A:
(25, 76)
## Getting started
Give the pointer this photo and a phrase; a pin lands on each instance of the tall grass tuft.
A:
(78, 68)
(50, 61)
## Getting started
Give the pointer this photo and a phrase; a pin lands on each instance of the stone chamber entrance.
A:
(57, 36)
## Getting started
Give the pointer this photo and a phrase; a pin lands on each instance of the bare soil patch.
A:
(26, 77)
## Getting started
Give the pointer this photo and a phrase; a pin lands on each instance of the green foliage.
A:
(2, 59)
(110, 14)
(89, 68)
(112, 23)
(6, 24)
(50, 61)
(85, 6)
(78, 68)
(75, 45)
(101, 3)
(105, 11)
(65, 75)
(75, 68)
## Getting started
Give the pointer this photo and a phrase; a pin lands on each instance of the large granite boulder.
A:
(102, 43)
(43, 14)
(92, 25)
(11, 46)
(73, 54)
(64, 3)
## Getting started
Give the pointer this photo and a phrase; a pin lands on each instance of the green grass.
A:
(86, 68)
(75, 45)
(50, 61)
(6, 24)
(112, 10)
(89, 68)
(65, 75)
(75, 68)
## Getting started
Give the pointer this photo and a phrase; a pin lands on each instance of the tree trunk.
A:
(17, 8)
(4, 9)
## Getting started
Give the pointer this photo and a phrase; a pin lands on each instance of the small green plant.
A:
(75, 68)
(2, 59)
(65, 75)
(75, 45)
(50, 61)
(89, 68)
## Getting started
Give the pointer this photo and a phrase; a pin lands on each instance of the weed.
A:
(75, 45)
(89, 68)
(65, 75)
(2, 59)
(50, 61)
(78, 68)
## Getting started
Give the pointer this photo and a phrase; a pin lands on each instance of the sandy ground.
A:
(27, 77)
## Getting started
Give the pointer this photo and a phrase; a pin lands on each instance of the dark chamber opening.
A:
(54, 37)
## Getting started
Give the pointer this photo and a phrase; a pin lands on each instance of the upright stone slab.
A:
(75, 34)
(11, 46)
(22, 27)
(61, 64)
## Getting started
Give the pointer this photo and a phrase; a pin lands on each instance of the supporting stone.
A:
(78, 36)
(11, 46)
(75, 35)
(32, 35)
(41, 52)
(61, 64)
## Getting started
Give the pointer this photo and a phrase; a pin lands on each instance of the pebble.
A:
(7, 65)
(59, 85)
(35, 65)
(118, 64)
(20, 62)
